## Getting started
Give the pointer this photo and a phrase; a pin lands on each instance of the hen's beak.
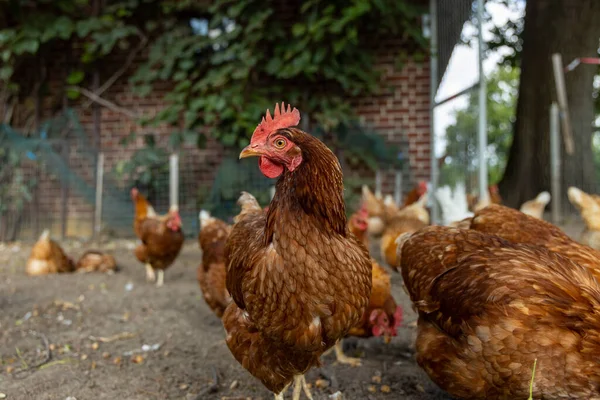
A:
(249, 152)
(387, 339)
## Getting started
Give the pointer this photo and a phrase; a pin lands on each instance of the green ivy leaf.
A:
(73, 94)
(75, 77)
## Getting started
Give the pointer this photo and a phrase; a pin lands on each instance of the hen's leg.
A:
(150, 277)
(161, 278)
(299, 385)
(306, 388)
(344, 359)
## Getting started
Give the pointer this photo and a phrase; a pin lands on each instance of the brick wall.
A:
(400, 114)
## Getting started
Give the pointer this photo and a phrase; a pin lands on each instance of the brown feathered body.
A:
(298, 278)
(517, 227)
(212, 272)
(408, 219)
(488, 308)
(161, 235)
(93, 260)
(47, 257)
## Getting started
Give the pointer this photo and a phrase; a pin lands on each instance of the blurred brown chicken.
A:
(416, 193)
(536, 207)
(161, 236)
(47, 257)
(489, 309)
(589, 208)
(212, 272)
(517, 227)
(383, 316)
(408, 219)
(476, 203)
(98, 261)
(378, 209)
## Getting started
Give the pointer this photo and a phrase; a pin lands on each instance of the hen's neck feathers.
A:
(315, 188)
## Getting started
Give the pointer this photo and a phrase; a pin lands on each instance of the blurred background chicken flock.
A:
(468, 134)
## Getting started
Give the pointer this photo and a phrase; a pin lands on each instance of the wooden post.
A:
(99, 190)
(561, 95)
(555, 164)
(174, 179)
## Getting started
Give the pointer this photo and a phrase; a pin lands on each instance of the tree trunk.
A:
(571, 28)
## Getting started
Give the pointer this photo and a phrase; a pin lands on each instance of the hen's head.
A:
(383, 325)
(275, 147)
(421, 188)
(134, 194)
(174, 220)
(360, 219)
(494, 189)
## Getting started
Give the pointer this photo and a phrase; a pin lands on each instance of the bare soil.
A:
(99, 336)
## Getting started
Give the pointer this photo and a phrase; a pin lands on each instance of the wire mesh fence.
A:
(56, 179)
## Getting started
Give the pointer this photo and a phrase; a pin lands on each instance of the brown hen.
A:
(47, 257)
(517, 227)
(489, 308)
(408, 219)
(383, 316)
(161, 236)
(93, 260)
(211, 272)
(299, 280)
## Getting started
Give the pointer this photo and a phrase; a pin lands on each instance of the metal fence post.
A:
(174, 179)
(555, 164)
(482, 130)
(99, 190)
(433, 83)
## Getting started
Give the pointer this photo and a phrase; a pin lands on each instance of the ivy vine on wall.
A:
(227, 60)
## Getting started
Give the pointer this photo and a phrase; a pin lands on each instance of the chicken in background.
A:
(535, 208)
(517, 227)
(477, 203)
(409, 219)
(211, 272)
(358, 225)
(299, 280)
(379, 210)
(589, 208)
(453, 203)
(416, 193)
(383, 316)
(161, 236)
(96, 261)
(489, 308)
(47, 257)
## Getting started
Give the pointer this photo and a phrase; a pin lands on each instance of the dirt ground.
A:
(98, 336)
(118, 337)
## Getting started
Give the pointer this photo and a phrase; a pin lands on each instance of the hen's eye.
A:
(279, 143)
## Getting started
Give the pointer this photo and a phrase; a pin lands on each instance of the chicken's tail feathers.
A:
(543, 198)
(45, 235)
(247, 200)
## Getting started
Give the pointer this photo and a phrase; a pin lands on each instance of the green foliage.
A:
(461, 137)
(148, 167)
(229, 61)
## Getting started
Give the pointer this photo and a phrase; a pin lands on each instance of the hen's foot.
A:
(161, 278)
(150, 276)
(344, 359)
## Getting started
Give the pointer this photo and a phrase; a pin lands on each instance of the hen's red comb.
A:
(281, 119)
